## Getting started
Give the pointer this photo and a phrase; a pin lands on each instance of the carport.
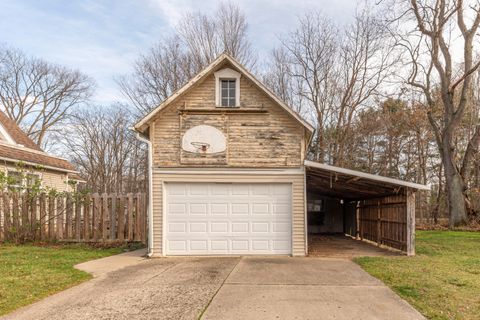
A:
(360, 205)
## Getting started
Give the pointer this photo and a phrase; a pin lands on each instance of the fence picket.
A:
(95, 217)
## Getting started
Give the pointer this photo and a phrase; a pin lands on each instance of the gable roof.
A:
(20, 147)
(143, 123)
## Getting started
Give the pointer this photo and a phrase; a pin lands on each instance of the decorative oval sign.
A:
(204, 139)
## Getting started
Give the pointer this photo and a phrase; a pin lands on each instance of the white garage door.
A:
(221, 218)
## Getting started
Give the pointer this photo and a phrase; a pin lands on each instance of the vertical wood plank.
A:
(6, 216)
(113, 217)
(87, 211)
(138, 207)
(47, 218)
(68, 217)
(96, 216)
(121, 218)
(410, 217)
(104, 216)
(78, 218)
(26, 227)
(60, 205)
(36, 222)
(15, 215)
(130, 216)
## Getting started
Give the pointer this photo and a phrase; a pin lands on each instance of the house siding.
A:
(298, 202)
(263, 135)
(50, 179)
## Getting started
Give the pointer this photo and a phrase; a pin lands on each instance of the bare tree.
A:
(157, 74)
(339, 70)
(39, 95)
(107, 154)
(206, 37)
(171, 63)
(445, 82)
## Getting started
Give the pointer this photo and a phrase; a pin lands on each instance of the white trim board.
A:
(368, 176)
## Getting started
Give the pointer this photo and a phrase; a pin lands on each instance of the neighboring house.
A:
(229, 175)
(25, 162)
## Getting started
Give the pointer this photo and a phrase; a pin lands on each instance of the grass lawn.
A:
(442, 281)
(29, 273)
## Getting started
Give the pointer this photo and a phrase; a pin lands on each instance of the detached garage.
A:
(228, 176)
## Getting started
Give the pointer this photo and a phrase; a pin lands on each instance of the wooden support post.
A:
(410, 212)
(357, 219)
(78, 218)
(379, 222)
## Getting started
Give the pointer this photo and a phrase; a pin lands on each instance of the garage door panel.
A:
(210, 218)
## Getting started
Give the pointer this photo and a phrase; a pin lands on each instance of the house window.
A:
(227, 88)
(19, 180)
(15, 179)
(228, 98)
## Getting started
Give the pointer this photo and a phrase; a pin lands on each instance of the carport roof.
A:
(351, 184)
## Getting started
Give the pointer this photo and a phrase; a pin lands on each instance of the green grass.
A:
(29, 273)
(442, 281)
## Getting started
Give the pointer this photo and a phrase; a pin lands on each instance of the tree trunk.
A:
(455, 190)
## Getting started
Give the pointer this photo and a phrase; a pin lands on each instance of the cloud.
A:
(103, 38)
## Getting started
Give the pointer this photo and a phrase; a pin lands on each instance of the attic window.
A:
(227, 88)
(228, 93)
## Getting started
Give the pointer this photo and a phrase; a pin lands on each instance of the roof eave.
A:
(369, 176)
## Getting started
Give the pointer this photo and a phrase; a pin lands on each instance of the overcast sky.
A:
(102, 38)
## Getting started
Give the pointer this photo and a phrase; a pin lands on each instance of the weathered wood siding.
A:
(298, 201)
(259, 133)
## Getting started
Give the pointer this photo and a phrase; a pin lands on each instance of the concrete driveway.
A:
(224, 288)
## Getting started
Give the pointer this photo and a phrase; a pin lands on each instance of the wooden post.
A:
(379, 222)
(121, 219)
(410, 212)
(104, 216)
(357, 220)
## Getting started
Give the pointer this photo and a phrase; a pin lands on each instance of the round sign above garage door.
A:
(228, 218)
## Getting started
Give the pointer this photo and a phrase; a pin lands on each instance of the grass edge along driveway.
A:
(30, 273)
(442, 281)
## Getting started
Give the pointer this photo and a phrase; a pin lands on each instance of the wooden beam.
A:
(353, 179)
(410, 212)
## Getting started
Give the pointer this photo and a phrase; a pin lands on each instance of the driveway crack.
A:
(220, 287)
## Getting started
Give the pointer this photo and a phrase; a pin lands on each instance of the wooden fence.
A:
(387, 221)
(75, 218)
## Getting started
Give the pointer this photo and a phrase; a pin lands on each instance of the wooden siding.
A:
(259, 133)
(298, 201)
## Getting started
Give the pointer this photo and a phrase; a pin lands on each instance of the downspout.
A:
(150, 190)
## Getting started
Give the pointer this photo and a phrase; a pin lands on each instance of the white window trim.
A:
(227, 74)
(4, 133)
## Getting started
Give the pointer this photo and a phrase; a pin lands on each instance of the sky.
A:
(102, 38)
